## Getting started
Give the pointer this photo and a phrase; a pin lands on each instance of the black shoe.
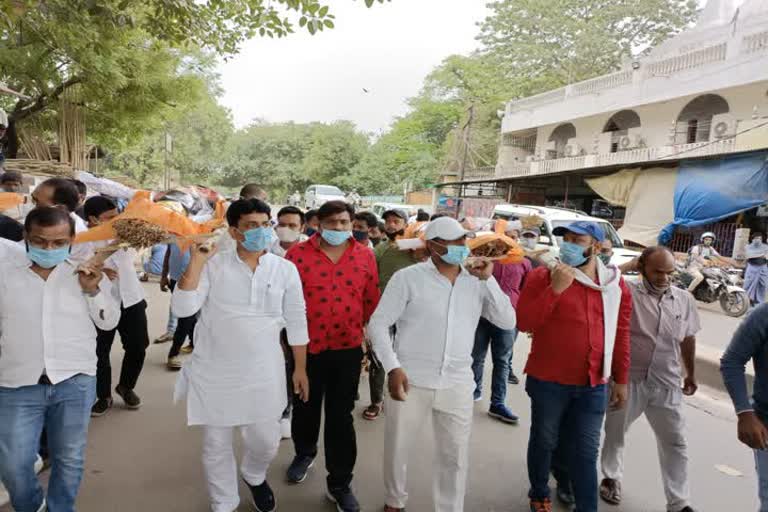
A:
(344, 499)
(297, 472)
(101, 407)
(687, 509)
(512, 379)
(263, 498)
(131, 399)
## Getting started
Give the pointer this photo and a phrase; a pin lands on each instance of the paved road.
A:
(148, 460)
(717, 327)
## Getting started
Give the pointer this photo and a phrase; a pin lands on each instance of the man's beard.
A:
(394, 234)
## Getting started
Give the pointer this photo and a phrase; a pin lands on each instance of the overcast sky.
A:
(387, 49)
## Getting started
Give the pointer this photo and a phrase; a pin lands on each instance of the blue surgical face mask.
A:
(456, 254)
(573, 254)
(47, 258)
(335, 238)
(257, 239)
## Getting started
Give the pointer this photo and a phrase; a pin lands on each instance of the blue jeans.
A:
(761, 463)
(64, 410)
(577, 412)
(172, 321)
(501, 342)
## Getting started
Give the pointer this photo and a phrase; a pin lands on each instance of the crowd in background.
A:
(285, 310)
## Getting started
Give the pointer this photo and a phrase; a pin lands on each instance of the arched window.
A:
(559, 139)
(695, 120)
(619, 125)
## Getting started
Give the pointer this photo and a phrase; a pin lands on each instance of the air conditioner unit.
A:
(530, 158)
(723, 126)
(632, 140)
(572, 149)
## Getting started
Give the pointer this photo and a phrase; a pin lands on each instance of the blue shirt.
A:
(177, 263)
(749, 342)
(154, 265)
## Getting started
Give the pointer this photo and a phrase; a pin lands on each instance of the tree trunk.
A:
(11, 140)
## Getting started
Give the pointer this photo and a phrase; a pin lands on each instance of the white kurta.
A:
(236, 375)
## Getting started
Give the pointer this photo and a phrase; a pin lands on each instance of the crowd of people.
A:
(285, 311)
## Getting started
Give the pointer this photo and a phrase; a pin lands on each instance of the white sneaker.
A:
(285, 428)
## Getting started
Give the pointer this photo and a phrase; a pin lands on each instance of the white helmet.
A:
(708, 234)
(3, 118)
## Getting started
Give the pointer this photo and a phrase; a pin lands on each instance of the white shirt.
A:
(48, 325)
(80, 252)
(436, 323)
(277, 249)
(127, 286)
(236, 375)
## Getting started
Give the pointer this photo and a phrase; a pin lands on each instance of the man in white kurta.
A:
(236, 375)
(435, 306)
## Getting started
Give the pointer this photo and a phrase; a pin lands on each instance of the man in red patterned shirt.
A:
(341, 291)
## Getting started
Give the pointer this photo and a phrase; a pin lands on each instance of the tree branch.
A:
(24, 109)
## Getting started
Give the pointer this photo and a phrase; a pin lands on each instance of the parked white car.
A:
(557, 217)
(317, 195)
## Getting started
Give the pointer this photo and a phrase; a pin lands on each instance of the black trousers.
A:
(184, 328)
(135, 339)
(333, 379)
(377, 375)
(289, 367)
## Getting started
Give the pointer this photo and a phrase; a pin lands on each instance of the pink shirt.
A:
(510, 278)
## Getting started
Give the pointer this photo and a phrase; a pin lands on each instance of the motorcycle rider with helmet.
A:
(698, 256)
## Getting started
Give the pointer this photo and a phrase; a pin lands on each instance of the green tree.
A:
(200, 131)
(285, 157)
(543, 44)
(132, 59)
(333, 151)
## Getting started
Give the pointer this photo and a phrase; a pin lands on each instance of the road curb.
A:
(708, 368)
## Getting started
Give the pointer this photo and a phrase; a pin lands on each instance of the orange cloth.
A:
(515, 254)
(10, 200)
(141, 207)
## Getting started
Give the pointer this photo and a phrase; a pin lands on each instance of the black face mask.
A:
(310, 231)
(375, 241)
(395, 234)
(360, 236)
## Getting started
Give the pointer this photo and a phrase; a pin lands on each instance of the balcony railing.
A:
(626, 157)
(662, 68)
(755, 42)
(538, 100)
(602, 83)
(703, 148)
(688, 61)
(633, 156)
(560, 164)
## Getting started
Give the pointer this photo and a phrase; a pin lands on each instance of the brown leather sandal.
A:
(610, 491)
(372, 412)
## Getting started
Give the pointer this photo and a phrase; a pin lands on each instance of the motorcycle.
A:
(718, 285)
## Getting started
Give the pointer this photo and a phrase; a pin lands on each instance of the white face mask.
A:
(287, 235)
(528, 243)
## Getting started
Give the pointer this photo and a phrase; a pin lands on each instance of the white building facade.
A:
(702, 93)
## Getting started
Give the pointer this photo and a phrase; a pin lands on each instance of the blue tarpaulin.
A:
(707, 191)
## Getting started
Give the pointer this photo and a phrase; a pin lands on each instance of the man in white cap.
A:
(435, 307)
